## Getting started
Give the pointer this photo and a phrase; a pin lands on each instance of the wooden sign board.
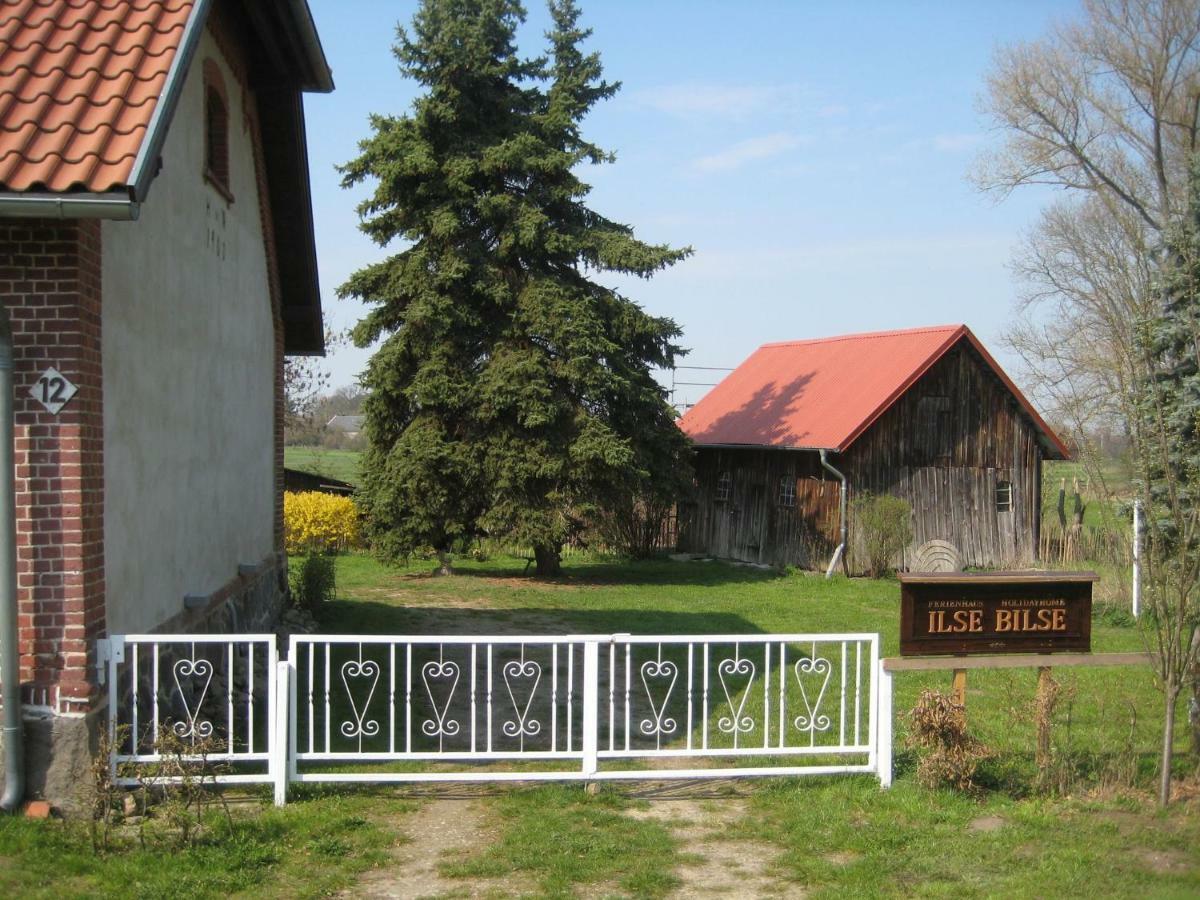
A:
(995, 612)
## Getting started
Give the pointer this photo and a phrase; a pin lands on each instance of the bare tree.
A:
(1106, 108)
(305, 379)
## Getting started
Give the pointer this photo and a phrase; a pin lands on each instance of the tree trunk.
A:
(1194, 714)
(443, 567)
(1171, 693)
(549, 560)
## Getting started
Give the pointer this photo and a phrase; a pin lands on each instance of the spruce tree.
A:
(512, 393)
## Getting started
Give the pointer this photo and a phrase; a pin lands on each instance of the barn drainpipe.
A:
(840, 552)
(10, 672)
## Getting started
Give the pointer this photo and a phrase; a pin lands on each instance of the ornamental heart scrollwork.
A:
(658, 671)
(189, 670)
(736, 723)
(366, 671)
(440, 675)
(813, 671)
(517, 674)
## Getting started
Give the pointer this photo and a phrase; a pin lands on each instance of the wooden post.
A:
(960, 687)
(1044, 704)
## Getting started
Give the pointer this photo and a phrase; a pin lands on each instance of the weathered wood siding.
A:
(753, 524)
(944, 447)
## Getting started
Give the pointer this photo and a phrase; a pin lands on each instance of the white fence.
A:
(215, 692)
(377, 708)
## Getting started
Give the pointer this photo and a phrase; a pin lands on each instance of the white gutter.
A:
(67, 206)
(840, 552)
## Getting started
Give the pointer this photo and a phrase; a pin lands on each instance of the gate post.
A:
(883, 733)
(280, 731)
(591, 704)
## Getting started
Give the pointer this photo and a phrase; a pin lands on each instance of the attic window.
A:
(787, 491)
(216, 130)
(724, 484)
(1003, 496)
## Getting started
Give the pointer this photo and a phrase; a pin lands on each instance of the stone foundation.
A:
(59, 749)
(249, 604)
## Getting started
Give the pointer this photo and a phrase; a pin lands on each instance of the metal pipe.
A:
(10, 670)
(58, 206)
(840, 552)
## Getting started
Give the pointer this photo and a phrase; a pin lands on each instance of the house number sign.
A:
(995, 612)
(53, 390)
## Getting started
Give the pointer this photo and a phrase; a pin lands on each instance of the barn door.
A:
(754, 524)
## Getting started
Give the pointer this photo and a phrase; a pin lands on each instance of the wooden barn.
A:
(924, 414)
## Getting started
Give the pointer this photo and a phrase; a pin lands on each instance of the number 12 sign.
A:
(52, 390)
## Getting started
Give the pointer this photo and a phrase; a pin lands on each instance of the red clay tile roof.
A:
(79, 82)
(823, 394)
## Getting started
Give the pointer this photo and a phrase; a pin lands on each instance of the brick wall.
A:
(50, 285)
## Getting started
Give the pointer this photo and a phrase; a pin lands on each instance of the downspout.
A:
(10, 672)
(840, 552)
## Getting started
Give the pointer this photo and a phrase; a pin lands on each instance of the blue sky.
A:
(813, 154)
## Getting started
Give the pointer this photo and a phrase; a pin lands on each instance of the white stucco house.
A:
(156, 253)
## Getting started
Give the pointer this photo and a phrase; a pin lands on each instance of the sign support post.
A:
(960, 687)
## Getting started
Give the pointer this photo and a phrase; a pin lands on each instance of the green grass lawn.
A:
(827, 836)
(339, 464)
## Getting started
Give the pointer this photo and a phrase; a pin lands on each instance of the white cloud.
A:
(749, 151)
(833, 111)
(919, 252)
(956, 143)
(689, 99)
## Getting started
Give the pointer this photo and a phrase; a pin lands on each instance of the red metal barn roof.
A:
(824, 393)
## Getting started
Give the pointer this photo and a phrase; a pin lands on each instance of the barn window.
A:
(724, 484)
(216, 130)
(1003, 496)
(787, 491)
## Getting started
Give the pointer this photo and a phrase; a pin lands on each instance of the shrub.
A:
(311, 580)
(316, 522)
(939, 728)
(638, 526)
(884, 528)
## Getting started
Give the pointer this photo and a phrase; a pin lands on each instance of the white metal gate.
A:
(374, 708)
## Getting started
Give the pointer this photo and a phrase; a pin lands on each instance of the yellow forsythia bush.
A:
(314, 522)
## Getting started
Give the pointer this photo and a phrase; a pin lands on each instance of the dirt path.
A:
(449, 829)
(440, 831)
(718, 866)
